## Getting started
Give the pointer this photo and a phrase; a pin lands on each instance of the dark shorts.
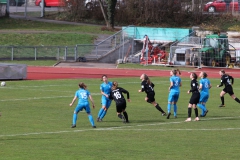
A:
(229, 90)
(195, 98)
(121, 106)
(150, 97)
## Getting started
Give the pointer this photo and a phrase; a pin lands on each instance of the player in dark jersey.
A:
(147, 87)
(194, 100)
(117, 95)
(227, 81)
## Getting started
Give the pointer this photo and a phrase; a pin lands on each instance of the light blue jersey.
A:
(174, 90)
(205, 85)
(83, 103)
(174, 94)
(82, 96)
(204, 94)
(106, 88)
(176, 83)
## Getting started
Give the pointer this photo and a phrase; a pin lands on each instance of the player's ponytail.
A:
(223, 72)
(204, 74)
(82, 85)
(175, 71)
(179, 72)
(146, 78)
(114, 85)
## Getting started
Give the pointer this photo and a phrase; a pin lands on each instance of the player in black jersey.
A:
(194, 100)
(117, 96)
(147, 86)
(228, 81)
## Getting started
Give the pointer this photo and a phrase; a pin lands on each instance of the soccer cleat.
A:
(73, 126)
(221, 105)
(175, 116)
(123, 119)
(94, 127)
(164, 114)
(169, 114)
(196, 119)
(205, 113)
(201, 115)
(99, 120)
(188, 120)
(127, 122)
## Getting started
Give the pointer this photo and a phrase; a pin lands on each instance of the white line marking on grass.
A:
(37, 98)
(130, 128)
(212, 129)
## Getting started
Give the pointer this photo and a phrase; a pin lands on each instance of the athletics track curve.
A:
(45, 73)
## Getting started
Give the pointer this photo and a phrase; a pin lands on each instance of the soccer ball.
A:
(3, 84)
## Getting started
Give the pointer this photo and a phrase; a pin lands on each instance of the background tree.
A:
(104, 15)
(111, 11)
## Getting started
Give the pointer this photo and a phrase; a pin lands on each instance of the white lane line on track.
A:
(131, 128)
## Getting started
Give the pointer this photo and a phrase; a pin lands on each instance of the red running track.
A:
(44, 73)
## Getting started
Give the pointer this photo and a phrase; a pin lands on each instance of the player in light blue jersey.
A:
(174, 91)
(82, 94)
(105, 89)
(204, 87)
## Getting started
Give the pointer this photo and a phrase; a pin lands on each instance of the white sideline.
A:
(131, 128)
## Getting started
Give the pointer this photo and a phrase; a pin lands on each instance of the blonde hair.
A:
(114, 85)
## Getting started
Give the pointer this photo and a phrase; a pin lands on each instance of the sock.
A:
(189, 112)
(126, 116)
(159, 108)
(100, 112)
(196, 112)
(74, 118)
(202, 107)
(169, 107)
(103, 114)
(120, 116)
(90, 117)
(175, 109)
(222, 99)
(237, 100)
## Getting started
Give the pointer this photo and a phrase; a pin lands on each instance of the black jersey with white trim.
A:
(226, 80)
(117, 95)
(147, 87)
(194, 86)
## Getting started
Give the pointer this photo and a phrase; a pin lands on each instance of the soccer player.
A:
(82, 94)
(105, 89)
(204, 87)
(175, 83)
(148, 86)
(228, 81)
(117, 95)
(194, 100)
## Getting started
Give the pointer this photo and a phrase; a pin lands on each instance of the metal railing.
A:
(67, 53)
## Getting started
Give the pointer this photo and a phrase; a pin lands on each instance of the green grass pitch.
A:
(36, 119)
